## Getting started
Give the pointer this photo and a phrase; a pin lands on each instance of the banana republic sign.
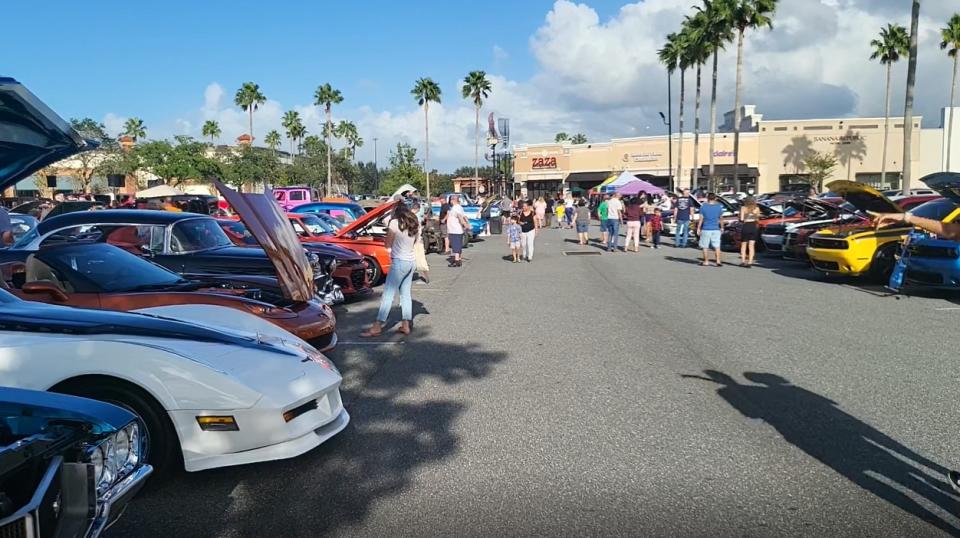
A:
(838, 140)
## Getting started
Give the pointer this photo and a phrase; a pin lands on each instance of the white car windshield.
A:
(198, 234)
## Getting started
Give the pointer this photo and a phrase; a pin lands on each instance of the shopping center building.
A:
(772, 153)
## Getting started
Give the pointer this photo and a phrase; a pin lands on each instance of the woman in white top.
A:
(403, 233)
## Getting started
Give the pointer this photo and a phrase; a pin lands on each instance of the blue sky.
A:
(557, 65)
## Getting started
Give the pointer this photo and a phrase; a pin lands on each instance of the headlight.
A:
(115, 457)
(96, 458)
(312, 257)
(333, 265)
(136, 445)
(109, 465)
(122, 447)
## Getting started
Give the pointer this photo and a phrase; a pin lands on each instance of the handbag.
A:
(420, 255)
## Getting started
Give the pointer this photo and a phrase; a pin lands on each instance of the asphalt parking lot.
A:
(616, 394)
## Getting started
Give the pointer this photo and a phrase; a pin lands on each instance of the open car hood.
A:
(367, 219)
(947, 184)
(864, 197)
(267, 223)
(31, 135)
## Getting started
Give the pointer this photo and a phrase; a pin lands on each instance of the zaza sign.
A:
(539, 163)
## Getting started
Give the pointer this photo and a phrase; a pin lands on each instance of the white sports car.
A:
(213, 386)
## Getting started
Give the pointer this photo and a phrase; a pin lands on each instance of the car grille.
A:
(826, 266)
(775, 229)
(933, 251)
(924, 277)
(788, 240)
(15, 529)
(358, 277)
(835, 244)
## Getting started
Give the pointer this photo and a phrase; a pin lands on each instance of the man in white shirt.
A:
(456, 224)
(614, 216)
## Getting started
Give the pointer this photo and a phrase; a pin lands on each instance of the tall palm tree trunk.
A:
(696, 131)
(886, 130)
(736, 114)
(476, 154)
(426, 143)
(250, 111)
(953, 91)
(713, 117)
(680, 180)
(908, 102)
(329, 149)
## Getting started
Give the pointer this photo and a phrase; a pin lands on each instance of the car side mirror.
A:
(47, 287)
(146, 251)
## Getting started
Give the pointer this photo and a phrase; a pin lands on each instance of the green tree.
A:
(347, 131)
(718, 31)
(327, 96)
(404, 168)
(561, 137)
(476, 87)
(888, 48)
(88, 160)
(211, 129)
(294, 127)
(249, 98)
(578, 138)
(951, 43)
(178, 161)
(820, 167)
(425, 91)
(251, 165)
(745, 15)
(135, 129)
(272, 140)
(908, 98)
(669, 56)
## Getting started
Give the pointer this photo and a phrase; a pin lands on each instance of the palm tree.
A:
(249, 98)
(951, 43)
(698, 51)
(578, 138)
(719, 30)
(908, 100)
(212, 129)
(745, 15)
(477, 88)
(683, 62)
(425, 91)
(561, 137)
(892, 43)
(347, 130)
(272, 140)
(291, 124)
(135, 129)
(327, 96)
(669, 56)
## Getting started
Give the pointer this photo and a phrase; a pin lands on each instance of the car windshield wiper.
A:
(178, 285)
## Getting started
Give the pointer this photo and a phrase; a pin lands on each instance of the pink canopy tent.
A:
(637, 186)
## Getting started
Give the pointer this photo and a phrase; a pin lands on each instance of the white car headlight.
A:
(109, 465)
(121, 443)
(136, 445)
(96, 458)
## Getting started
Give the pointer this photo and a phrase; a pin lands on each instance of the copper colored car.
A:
(99, 275)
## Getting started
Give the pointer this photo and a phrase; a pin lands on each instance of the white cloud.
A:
(602, 78)
(114, 123)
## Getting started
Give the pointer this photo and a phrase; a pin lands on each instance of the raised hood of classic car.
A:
(268, 224)
(947, 184)
(31, 135)
(367, 219)
(864, 197)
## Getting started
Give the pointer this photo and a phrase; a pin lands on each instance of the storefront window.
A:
(873, 179)
(547, 189)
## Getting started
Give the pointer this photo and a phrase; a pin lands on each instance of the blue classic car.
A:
(345, 212)
(68, 465)
(472, 210)
(933, 262)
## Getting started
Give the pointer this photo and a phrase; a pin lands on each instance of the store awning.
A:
(587, 177)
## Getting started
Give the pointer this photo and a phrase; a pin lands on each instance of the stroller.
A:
(433, 235)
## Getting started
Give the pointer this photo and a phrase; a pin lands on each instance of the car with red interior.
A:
(348, 268)
(773, 224)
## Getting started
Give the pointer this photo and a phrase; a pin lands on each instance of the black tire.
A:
(881, 267)
(374, 271)
(163, 446)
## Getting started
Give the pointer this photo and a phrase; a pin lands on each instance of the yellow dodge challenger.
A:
(860, 249)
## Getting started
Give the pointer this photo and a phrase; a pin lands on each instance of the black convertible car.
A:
(190, 244)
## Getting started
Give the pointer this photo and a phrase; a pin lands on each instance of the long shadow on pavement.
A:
(391, 436)
(865, 456)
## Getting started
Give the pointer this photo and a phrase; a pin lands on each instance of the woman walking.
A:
(403, 233)
(529, 230)
(749, 215)
(583, 222)
(634, 215)
(540, 208)
(647, 206)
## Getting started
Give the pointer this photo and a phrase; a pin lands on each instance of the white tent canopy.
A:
(404, 188)
(160, 191)
(624, 178)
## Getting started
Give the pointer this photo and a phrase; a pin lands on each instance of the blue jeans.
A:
(683, 231)
(400, 278)
(613, 233)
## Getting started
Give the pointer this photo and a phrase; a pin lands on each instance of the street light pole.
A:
(376, 166)
(668, 121)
